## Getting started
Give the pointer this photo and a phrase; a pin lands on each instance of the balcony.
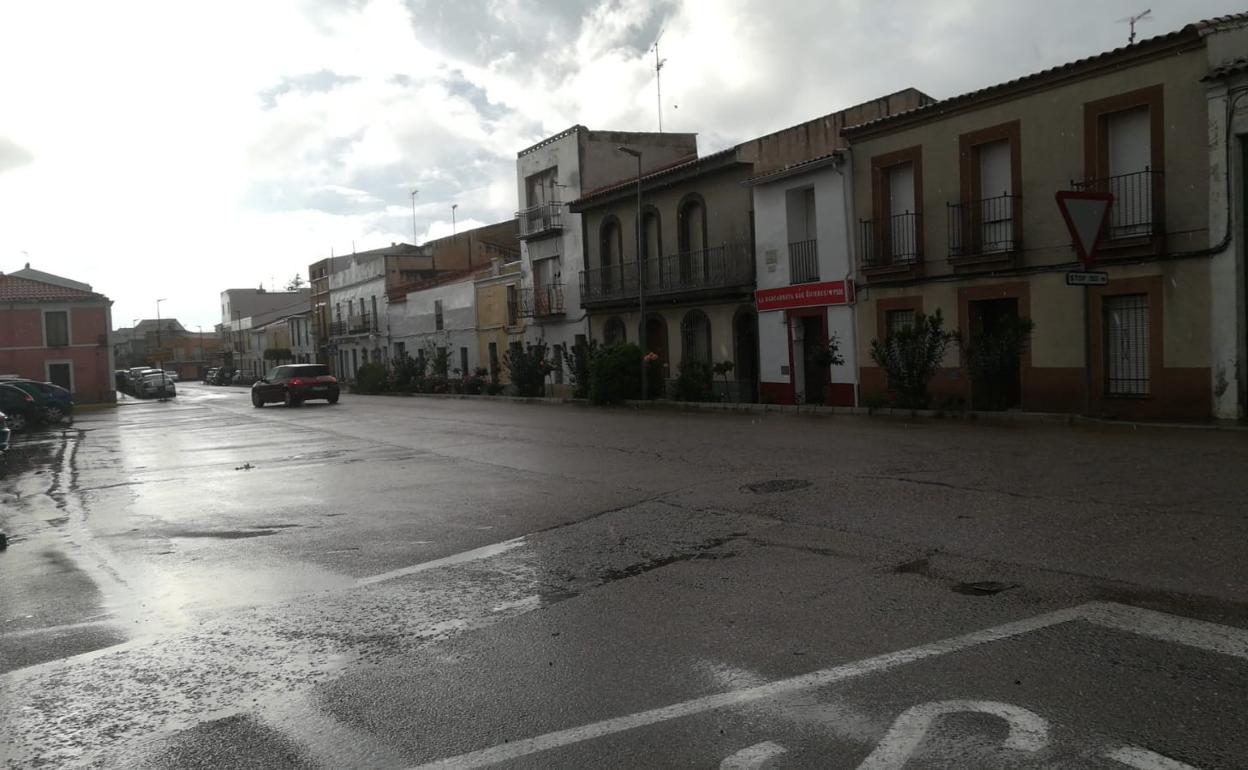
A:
(803, 262)
(718, 269)
(984, 230)
(541, 301)
(891, 244)
(356, 324)
(540, 221)
(1135, 212)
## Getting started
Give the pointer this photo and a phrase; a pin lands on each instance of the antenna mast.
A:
(658, 79)
(1133, 20)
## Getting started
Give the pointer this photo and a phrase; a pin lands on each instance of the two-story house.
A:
(437, 317)
(804, 266)
(56, 330)
(957, 213)
(500, 327)
(694, 263)
(549, 174)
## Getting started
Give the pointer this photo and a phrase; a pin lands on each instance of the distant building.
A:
(245, 309)
(56, 330)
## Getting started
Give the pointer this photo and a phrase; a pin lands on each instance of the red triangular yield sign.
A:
(1086, 214)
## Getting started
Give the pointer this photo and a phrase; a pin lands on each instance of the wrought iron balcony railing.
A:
(1135, 211)
(541, 301)
(894, 241)
(719, 267)
(985, 226)
(803, 262)
(539, 220)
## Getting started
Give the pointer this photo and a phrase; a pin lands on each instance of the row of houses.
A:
(848, 226)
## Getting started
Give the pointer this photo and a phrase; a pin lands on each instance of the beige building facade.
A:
(955, 211)
(500, 325)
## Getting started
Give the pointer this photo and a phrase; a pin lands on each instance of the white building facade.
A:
(805, 291)
(358, 322)
(438, 318)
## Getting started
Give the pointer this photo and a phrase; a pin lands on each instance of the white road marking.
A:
(1211, 637)
(1143, 759)
(525, 747)
(1028, 730)
(1157, 625)
(476, 554)
(752, 757)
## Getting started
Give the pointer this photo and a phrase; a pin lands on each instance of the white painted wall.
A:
(414, 322)
(771, 232)
(567, 247)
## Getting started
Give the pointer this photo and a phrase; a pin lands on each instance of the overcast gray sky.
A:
(174, 149)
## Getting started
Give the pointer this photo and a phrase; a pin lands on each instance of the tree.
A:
(295, 283)
(911, 356)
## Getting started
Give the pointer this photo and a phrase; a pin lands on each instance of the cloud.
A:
(12, 155)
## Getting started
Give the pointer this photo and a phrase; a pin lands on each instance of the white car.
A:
(154, 385)
(171, 375)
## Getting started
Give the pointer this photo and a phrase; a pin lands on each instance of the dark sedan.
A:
(20, 407)
(295, 383)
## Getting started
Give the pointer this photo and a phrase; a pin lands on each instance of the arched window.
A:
(651, 246)
(691, 234)
(610, 251)
(695, 337)
(613, 333)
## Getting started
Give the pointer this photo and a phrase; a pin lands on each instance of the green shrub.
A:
(371, 378)
(578, 363)
(615, 374)
(911, 356)
(528, 369)
(694, 382)
(474, 384)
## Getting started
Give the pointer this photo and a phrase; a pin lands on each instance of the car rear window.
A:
(310, 370)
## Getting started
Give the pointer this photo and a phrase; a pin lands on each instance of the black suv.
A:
(293, 384)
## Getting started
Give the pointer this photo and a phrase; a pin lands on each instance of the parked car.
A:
(19, 407)
(55, 402)
(156, 385)
(210, 375)
(171, 375)
(295, 383)
(119, 379)
(222, 376)
(5, 433)
(136, 374)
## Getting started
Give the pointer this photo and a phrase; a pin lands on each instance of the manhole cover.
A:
(776, 485)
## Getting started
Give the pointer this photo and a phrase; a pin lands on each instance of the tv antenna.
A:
(658, 78)
(1147, 15)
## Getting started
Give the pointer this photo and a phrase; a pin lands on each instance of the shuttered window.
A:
(56, 328)
(1127, 334)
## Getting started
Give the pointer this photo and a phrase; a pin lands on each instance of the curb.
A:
(987, 418)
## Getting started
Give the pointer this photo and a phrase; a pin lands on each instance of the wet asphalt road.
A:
(396, 582)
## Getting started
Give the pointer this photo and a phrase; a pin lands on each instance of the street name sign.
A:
(1086, 214)
(1087, 279)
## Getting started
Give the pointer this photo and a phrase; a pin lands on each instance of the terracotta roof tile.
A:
(15, 289)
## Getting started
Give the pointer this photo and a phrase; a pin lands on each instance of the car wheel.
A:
(256, 401)
(292, 400)
(17, 422)
(54, 414)
(333, 399)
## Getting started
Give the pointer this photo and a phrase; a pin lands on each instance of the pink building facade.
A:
(56, 330)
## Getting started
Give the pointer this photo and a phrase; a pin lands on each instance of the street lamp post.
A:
(414, 192)
(159, 365)
(453, 229)
(641, 278)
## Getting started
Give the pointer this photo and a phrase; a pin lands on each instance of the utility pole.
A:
(414, 193)
(658, 79)
(159, 365)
